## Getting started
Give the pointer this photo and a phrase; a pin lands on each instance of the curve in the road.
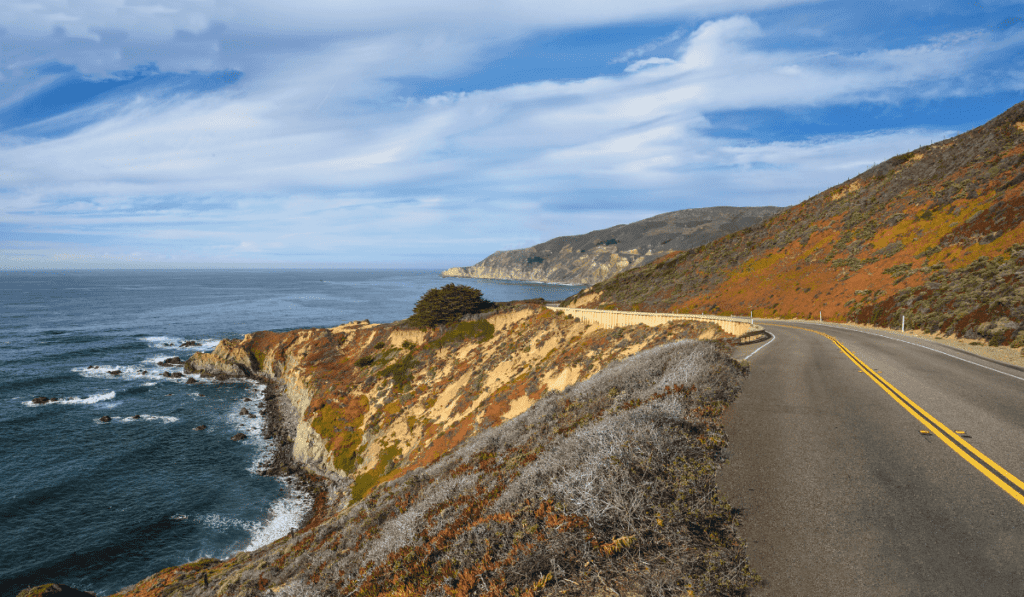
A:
(997, 474)
(839, 491)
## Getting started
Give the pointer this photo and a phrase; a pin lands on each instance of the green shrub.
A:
(364, 361)
(401, 372)
(480, 331)
(449, 303)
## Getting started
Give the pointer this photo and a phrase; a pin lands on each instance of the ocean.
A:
(101, 505)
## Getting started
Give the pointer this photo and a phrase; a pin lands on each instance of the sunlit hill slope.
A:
(934, 235)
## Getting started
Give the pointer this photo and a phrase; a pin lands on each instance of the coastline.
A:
(277, 424)
(583, 284)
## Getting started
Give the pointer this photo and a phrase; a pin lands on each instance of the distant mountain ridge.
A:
(595, 256)
(934, 235)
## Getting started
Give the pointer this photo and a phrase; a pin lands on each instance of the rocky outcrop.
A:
(54, 590)
(228, 360)
(598, 255)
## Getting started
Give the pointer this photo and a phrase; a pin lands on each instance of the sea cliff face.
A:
(598, 255)
(425, 441)
(369, 402)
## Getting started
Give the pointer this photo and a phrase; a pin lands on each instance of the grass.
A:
(340, 426)
(368, 480)
(400, 372)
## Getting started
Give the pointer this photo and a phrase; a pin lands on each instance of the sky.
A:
(407, 133)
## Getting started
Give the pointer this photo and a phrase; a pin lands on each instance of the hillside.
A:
(368, 402)
(934, 235)
(595, 256)
(517, 452)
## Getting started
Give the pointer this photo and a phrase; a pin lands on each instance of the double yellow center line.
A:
(997, 474)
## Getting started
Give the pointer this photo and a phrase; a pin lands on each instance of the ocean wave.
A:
(149, 370)
(286, 515)
(92, 399)
(159, 418)
(175, 343)
(253, 427)
(216, 521)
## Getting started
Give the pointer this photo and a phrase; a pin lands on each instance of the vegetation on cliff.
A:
(605, 487)
(935, 235)
(447, 304)
(386, 399)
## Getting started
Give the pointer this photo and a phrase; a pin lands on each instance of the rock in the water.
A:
(40, 400)
(177, 375)
(115, 372)
(247, 399)
(54, 590)
(105, 419)
(188, 344)
(199, 428)
(191, 380)
(252, 416)
(229, 358)
(238, 437)
(137, 417)
(171, 362)
(165, 374)
(143, 372)
(244, 411)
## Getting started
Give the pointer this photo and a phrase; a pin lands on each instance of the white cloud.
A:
(316, 152)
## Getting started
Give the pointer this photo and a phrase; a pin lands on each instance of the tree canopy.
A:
(449, 303)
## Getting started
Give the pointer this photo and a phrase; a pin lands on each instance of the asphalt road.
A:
(840, 492)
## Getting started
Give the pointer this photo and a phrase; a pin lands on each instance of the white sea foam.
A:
(158, 418)
(92, 399)
(127, 372)
(253, 427)
(285, 515)
(175, 343)
(216, 521)
(149, 370)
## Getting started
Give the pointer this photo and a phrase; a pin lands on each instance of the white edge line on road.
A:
(766, 344)
(952, 356)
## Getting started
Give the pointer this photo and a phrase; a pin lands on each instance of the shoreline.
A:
(282, 463)
(518, 280)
